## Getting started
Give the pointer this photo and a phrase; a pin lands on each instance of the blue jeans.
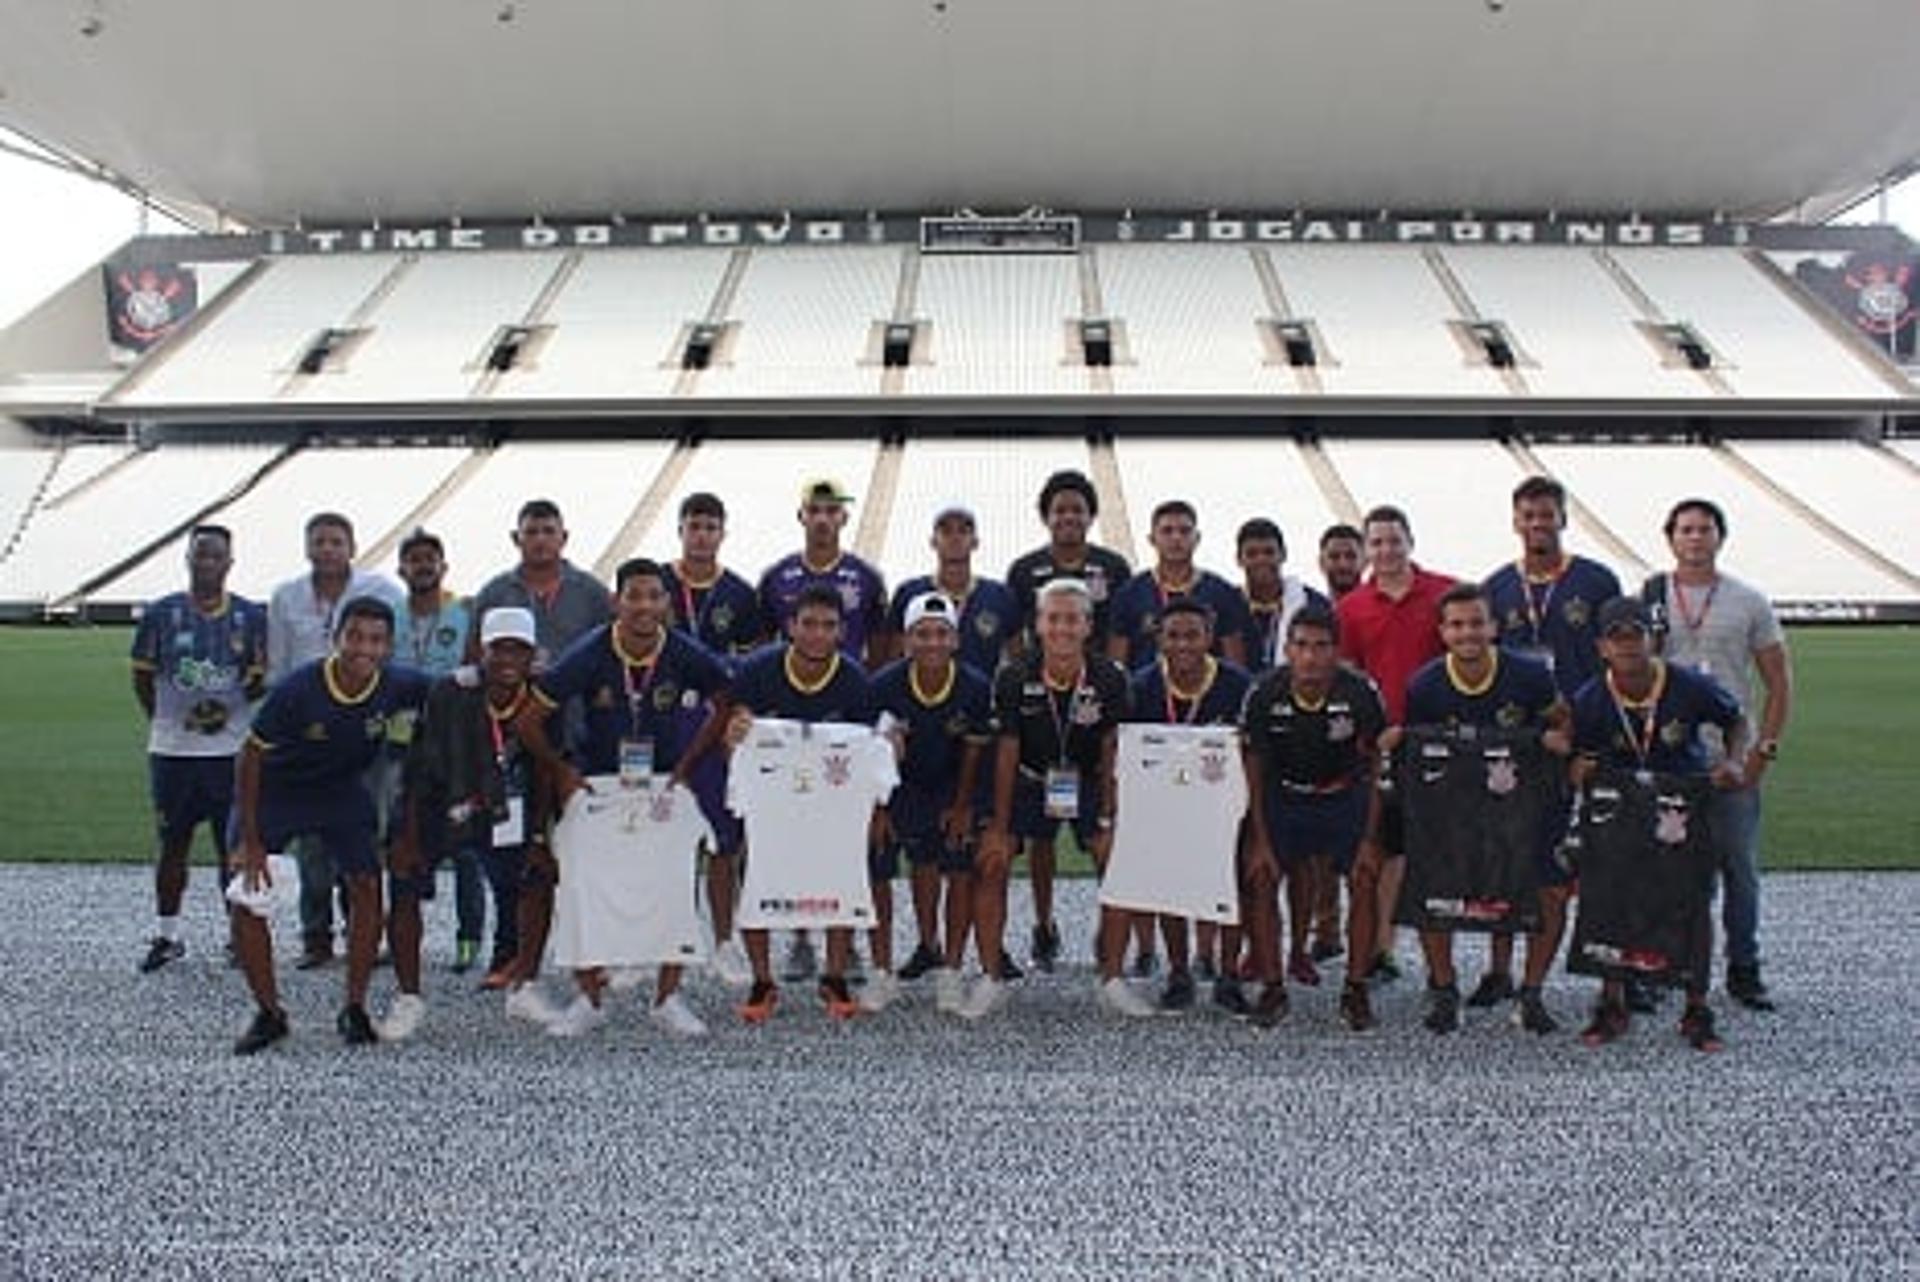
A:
(469, 896)
(1736, 827)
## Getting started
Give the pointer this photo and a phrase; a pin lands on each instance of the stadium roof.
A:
(366, 109)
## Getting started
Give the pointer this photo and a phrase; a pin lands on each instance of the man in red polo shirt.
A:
(1389, 627)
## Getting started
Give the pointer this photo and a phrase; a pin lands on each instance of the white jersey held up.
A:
(627, 861)
(807, 792)
(1182, 793)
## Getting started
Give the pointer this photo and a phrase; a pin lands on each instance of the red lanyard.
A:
(1640, 740)
(1694, 622)
(1538, 613)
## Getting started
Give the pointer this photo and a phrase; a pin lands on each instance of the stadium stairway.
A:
(646, 511)
(1116, 523)
(876, 508)
(1333, 487)
(1622, 553)
(1860, 549)
(34, 500)
(177, 530)
(377, 555)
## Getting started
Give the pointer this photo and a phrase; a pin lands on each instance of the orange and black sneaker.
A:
(1697, 1027)
(761, 999)
(1610, 1020)
(838, 998)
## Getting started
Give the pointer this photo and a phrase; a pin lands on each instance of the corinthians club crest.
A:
(146, 304)
(1670, 821)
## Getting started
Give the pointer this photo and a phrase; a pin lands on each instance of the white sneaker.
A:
(880, 992)
(731, 964)
(581, 1017)
(1116, 997)
(528, 1002)
(404, 1017)
(947, 992)
(676, 1017)
(988, 996)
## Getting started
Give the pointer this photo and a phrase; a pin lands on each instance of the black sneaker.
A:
(1609, 1022)
(1146, 965)
(923, 960)
(1697, 1027)
(354, 1026)
(1642, 998)
(1443, 1009)
(1178, 994)
(1010, 972)
(1494, 987)
(1325, 950)
(1205, 971)
(1531, 1014)
(268, 1027)
(1355, 1010)
(802, 965)
(161, 951)
(1744, 986)
(1271, 1006)
(316, 957)
(1046, 945)
(1230, 997)
(1386, 968)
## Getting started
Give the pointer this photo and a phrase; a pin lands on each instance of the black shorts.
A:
(188, 792)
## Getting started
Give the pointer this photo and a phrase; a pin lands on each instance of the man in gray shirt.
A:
(301, 616)
(566, 602)
(1727, 630)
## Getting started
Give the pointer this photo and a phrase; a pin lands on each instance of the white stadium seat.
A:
(805, 316)
(1869, 495)
(999, 478)
(1227, 481)
(1191, 320)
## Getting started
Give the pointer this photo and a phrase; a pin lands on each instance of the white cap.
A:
(932, 605)
(507, 623)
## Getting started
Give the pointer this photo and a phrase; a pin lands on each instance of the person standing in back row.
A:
(1726, 629)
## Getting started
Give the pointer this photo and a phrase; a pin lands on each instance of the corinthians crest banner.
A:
(148, 302)
(1877, 291)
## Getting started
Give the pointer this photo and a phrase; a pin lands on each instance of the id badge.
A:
(636, 762)
(511, 828)
(1063, 793)
(1540, 654)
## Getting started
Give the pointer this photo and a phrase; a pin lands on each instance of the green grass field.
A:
(1846, 793)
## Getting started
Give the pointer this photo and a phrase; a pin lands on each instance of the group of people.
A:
(375, 732)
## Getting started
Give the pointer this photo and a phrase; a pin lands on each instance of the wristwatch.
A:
(1104, 822)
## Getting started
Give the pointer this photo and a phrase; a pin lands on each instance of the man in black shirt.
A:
(1056, 711)
(1068, 505)
(1311, 728)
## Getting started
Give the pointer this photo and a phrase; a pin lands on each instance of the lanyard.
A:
(695, 609)
(1167, 594)
(1192, 701)
(637, 695)
(1538, 612)
(495, 720)
(1269, 630)
(1641, 740)
(1693, 621)
(421, 639)
(1061, 724)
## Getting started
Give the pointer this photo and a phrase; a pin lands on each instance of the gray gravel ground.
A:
(1049, 1142)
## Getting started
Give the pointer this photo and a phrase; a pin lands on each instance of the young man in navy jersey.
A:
(199, 659)
(1312, 730)
(1476, 683)
(988, 617)
(1643, 713)
(822, 562)
(1139, 605)
(807, 677)
(1056, 711)
(945, 709)
(637, 678)
(1270, 596)
(720, 610)
(472, 788)
(1186, 686)
(303, 773)
(1546, 607)
(1068, 505)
